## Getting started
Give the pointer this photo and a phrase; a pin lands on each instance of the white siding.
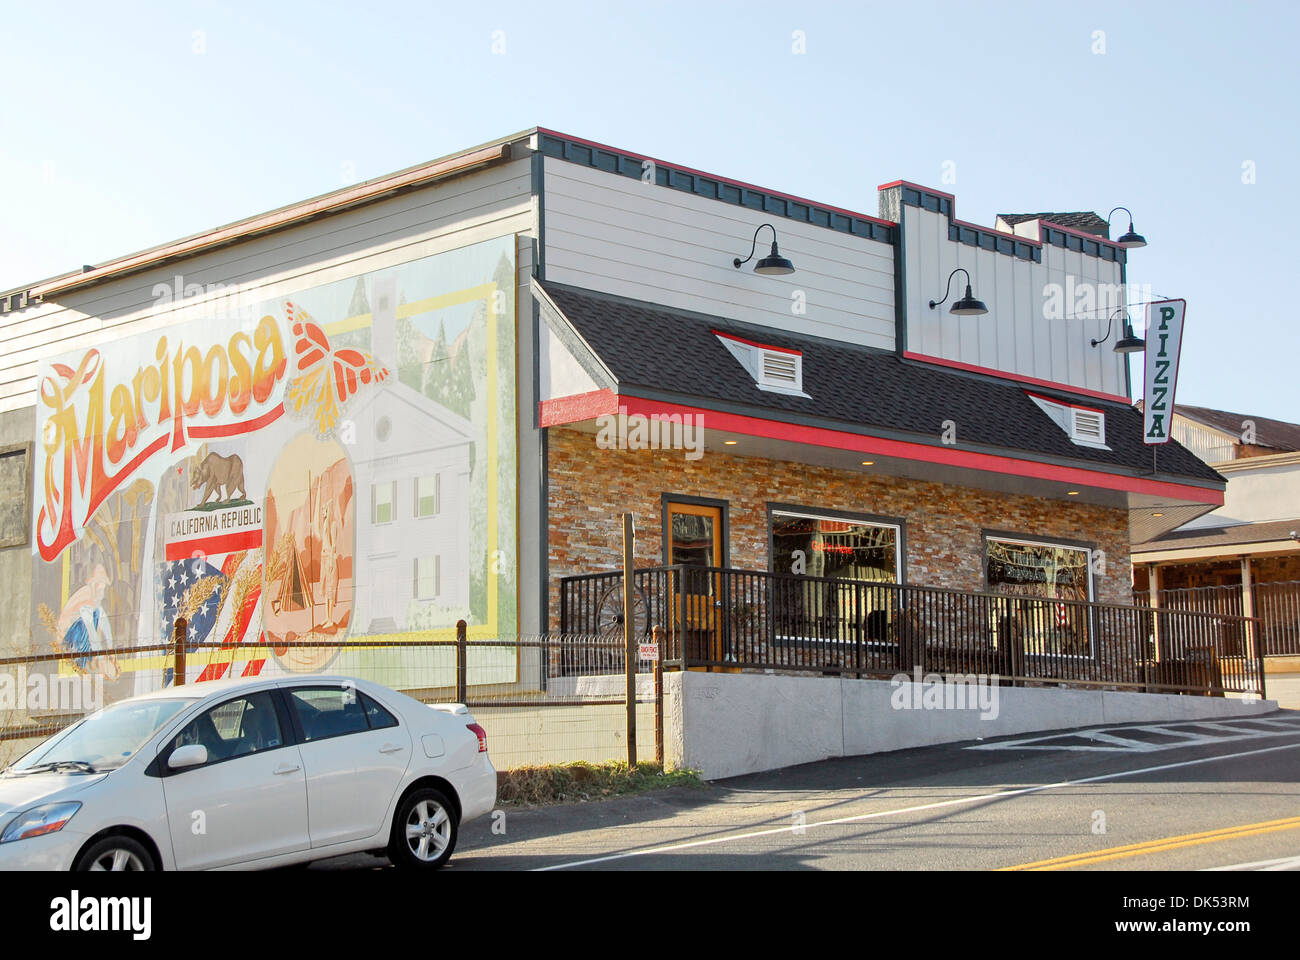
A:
(459, 212)
(1015, 336)
(618, 235)
(1212, 446)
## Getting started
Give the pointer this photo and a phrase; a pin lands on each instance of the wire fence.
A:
(542, 699)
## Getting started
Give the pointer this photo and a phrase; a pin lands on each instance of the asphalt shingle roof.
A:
(672, 352)
(1084, 220)
(1268, 433)
(1237, 534)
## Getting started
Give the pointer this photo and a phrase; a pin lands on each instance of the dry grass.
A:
(583, 782)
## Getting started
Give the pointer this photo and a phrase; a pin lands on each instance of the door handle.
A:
(390, 748)
(284, 768)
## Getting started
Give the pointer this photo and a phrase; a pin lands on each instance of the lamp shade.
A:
(774, 265)
(1129, 343)
(968, 306)
(1131, 240)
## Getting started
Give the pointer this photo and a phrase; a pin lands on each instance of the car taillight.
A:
(479, 732)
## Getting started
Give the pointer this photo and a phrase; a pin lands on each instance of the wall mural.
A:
(338, 464)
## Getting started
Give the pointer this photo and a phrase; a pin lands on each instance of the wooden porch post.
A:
(1153, 586)
(1248, 610)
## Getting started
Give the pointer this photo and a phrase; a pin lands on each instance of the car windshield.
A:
(104, 740)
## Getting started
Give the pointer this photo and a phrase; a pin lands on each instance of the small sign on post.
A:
(648, 651)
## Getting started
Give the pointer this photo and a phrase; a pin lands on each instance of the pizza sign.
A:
(1164, 343)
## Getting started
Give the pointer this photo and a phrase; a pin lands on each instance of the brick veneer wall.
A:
(590, 488)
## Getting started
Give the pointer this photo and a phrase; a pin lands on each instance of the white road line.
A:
(1268, 866)
(1019, 791)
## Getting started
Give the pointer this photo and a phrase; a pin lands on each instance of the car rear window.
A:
(377, 715)
(329, 711)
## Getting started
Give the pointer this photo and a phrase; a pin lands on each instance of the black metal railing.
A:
(721, 618)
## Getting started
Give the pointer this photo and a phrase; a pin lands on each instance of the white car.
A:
(248, 773)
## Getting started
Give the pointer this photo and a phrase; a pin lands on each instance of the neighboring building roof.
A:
(669, 353)
(1084, 220)
(1235, 535)
(1268, 433)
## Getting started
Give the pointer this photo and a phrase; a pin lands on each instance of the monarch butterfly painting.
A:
(327, 377)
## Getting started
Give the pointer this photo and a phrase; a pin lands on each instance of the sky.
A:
(126, 126)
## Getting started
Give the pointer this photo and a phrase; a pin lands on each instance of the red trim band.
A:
(1001, 233)
(1063, 403)
(587, 406)
(755, 343)
(714, 176)
(1019, 378)
(576, 408)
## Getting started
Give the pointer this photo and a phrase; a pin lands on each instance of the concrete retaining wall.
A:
(725, 725)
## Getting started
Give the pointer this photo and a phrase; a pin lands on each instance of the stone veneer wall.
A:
(590, 488)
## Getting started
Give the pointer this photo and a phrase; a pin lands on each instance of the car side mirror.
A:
(190, 755)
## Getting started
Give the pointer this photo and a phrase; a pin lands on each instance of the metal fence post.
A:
(179, 633)
(461, 658)
(659, 696)
(629, 635)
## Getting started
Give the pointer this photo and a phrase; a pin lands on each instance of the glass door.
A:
(694, 539)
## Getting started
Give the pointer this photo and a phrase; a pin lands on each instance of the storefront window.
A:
(1043, 572)
(843, 550)
(825, 547)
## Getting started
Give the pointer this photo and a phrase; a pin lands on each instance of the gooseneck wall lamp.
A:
(967, 306)
(1130, 239)
(773, 265)
(1129, 343)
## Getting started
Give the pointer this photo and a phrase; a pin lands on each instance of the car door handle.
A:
(390, 748)
(284, 768)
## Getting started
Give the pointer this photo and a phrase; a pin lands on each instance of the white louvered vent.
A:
(773, 369)
(781, 370)
(1089, 427)
(1084, 427)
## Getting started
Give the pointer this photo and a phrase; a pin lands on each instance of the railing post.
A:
(679, 615)
(859, 618)
(1254, 648)
(461, 660)
(629, 634)
(659, 696)
(1153, 584)
(179, 634)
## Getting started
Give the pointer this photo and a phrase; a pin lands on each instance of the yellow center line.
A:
(1160, 846)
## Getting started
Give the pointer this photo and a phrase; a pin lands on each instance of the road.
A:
(1176, 796)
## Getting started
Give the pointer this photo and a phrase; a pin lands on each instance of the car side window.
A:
(235, 728)
(377, 715)
(326, 712)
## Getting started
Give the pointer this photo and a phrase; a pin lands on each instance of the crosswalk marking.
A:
(1110, 739)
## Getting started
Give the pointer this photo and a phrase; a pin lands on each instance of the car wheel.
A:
(117, 852)
(424, 831)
